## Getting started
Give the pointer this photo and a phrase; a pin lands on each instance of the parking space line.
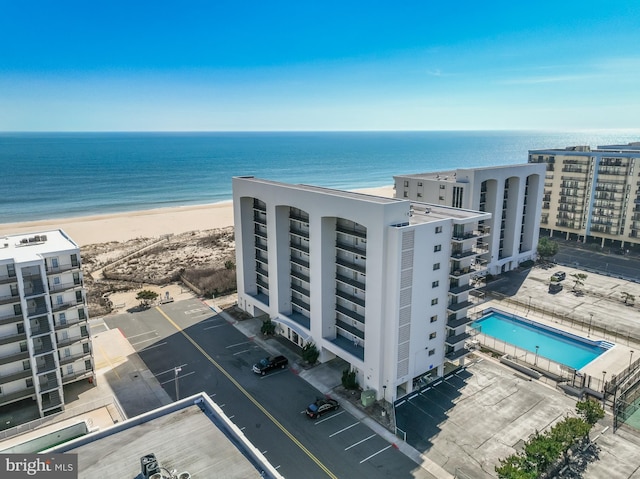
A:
(327, 418)
(237, 344)
(344, 429)
(271, 374)
(172, 370)
(142, 334)
(359, 442)
(144, 341)
(241, 352)
(155, 346)
(179, 378)
(375, 454)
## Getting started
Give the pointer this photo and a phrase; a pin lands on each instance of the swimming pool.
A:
(554, 344)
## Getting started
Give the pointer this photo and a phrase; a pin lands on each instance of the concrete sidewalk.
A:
(326, 378)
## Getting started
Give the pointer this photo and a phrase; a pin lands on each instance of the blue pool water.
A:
(553, 344)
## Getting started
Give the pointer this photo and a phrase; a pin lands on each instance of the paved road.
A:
(215, 357)
(584, 257)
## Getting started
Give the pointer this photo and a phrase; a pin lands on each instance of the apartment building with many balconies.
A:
(383, 283)
(512, 194)
(44, 333)
(591, 195)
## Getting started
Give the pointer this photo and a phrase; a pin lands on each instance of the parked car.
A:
(267, 364)
(558, 276)
(320, 406)
(555, 287)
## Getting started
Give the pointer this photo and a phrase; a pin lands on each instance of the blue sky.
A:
(279, 65)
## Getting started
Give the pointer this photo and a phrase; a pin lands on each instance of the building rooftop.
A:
(458, 175)
(426, 213)
(30, 246)
(192, 435)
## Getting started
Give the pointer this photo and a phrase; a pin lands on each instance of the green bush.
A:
(268, 327)
(310, 352)
(349, 379)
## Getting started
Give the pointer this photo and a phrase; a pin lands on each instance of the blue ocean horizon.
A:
(63, 175)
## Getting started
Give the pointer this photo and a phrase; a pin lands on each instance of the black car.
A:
(555, 288)
(321, 406)
(267, 364)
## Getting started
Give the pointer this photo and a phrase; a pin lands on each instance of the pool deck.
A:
(596, 312)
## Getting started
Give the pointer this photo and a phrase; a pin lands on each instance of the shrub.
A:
(349, 379)
(310, 352)
(268, 327)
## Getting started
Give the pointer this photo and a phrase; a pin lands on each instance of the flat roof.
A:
(426, 213)
(192, 435)
(326, 191)
(451, 175)
(31, 246)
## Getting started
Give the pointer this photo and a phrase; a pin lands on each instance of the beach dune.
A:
(86, 230)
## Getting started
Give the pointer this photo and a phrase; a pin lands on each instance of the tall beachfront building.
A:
(383, 283)
(44, 335)
(591, 195)
(512, 194)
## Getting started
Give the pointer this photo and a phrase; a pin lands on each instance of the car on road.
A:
(558, 276)
(320, 406)
(267, 364)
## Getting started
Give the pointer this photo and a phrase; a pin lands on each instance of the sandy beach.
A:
(86, 230)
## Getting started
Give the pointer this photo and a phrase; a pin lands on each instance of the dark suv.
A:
(267, 364)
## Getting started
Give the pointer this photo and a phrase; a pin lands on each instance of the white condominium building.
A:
(592, 195)
(512, 194)
(382, 283)
(44, 335)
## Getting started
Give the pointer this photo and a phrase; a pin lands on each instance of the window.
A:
(56, 280)
(62, 318)
(432, 335)
(438, 229)
(441, 198)
(435, 284)
(442, 187)
(434, 301)
(436, 266)
(434, 318)
(26, 365)
(419, 195)
(69, 369)
(432, 352)
(29, 382)
(419, 183)
(406, 194)
(437, 248)
(406, 183)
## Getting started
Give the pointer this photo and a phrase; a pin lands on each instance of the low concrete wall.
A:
(523, 369)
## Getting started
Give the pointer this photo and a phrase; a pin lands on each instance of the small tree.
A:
(579, 279)
(146, 297)
(310, 352)
(268, 327)
(547, 248)
(590, 411)
(349, 380)
(628, 297)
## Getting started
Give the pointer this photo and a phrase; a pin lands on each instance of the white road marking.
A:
(326, 419)
(359, 442)
(375, 454)
(344, 429)
(237, 344)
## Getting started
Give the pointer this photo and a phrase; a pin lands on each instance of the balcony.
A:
(456, 339)
(455, 307)
(358, 233)
(51, 401)
(45, 364)
(9, 378)
(351, 249)
(301, 303)
(457, 354)
(455, 323)
(57, 288)
(300, 218)
(262, 283)
(260, 220)
(457, 290)
(64, 360)
(260, 246)
(48, 383)
(69, 323)
(350, 265)
(14, 298)
(261, 271)
(63, 268)
(13, 357)
(73, 339)
(299, 262)
(301, 290)
(261, 259)
(39, 329)
(351, 298)
(299, 232)
(64, 306)
(349, 329)
(5, 279)
(301, 276)
(349, 313)
(13, 338)
(351, 282)
(76, 375)
(459, 272)
(299, 247)
(466, 235)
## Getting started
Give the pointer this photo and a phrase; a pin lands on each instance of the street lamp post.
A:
(384, 392)
(590, 320)
(604, 373)
(630, 357)
(176, 371)
(535, 362)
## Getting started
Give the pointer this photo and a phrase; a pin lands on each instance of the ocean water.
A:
(59, 175)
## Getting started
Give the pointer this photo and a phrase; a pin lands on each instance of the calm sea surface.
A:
(57, 175)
